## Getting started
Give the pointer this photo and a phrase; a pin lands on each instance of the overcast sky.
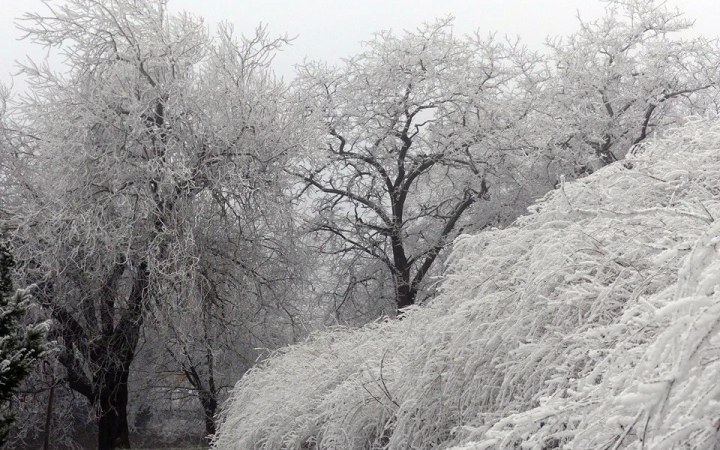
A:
(330, 30)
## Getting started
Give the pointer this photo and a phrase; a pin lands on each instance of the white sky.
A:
(330, 30)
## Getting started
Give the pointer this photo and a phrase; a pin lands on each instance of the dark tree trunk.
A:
(209, 405)
(113, 430)
(109, 353)
(405, 293)
(206, 395)
(111, 380)
(48, 415)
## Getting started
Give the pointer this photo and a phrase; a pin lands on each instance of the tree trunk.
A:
(48, 415)
(113, 430)
(405, 294)
(114, 369)
(209, 405)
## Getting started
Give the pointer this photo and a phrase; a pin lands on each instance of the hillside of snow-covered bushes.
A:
(592, 322)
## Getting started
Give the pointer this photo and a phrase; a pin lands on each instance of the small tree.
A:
(20, 345)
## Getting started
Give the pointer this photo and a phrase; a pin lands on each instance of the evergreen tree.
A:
(20, 345)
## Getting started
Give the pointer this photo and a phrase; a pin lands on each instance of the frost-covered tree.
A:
(421, 132)
(622, 77)
(21, 345)
(410, 137)
(209, 336)
(143, 178)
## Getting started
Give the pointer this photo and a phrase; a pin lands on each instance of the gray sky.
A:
(329, 30)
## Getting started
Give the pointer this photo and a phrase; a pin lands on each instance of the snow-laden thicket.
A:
(593, 322)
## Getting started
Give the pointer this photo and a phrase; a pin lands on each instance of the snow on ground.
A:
(593, 322)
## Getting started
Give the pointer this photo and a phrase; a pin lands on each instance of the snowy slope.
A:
(593, 322)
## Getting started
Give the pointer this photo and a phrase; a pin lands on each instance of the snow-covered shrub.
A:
(593, 322)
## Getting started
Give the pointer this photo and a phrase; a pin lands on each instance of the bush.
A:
(21, 345)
